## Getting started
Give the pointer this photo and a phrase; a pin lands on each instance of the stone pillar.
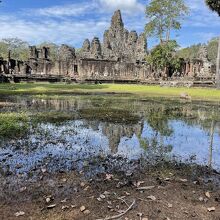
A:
(191, 68)
(187, 68)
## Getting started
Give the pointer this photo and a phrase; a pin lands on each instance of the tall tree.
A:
(214, 5)
(164, 16)
(19, 48)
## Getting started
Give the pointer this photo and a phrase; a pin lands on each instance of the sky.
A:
(72, 21)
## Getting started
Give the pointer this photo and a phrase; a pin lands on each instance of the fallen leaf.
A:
(109, 176)
(207, 194)
(22, 189)
(146, 188)
(201, 199)
(127, 194)
(82, 208)
(170, 205)
(153, 198)
(65, 207)
(86, 188)
(139, 183)
(43, 170)
(51, 206)
(48, 200)
(211, 209)
(184, 180)
(102, 196)
(63, 201)
(82, 184)
(20, 213)
(86, 212)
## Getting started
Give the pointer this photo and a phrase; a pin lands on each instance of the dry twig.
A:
(118, 216)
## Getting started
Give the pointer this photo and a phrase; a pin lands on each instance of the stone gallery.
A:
(120, 57)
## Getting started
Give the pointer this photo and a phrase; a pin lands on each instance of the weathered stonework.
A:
(120, 57)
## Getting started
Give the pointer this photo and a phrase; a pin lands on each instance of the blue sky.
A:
(71, 21)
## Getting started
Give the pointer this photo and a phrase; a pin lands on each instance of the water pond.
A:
(64, 133)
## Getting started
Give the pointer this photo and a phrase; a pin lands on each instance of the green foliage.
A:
(192, 51)
(213, 49)
(19, 48)
(13, 125)
(189, 52)
(214, 5)
(164, 56)
(163, 16)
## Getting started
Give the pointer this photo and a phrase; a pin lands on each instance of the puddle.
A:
(106, 133)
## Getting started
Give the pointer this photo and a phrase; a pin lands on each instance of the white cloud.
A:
(200, 15)
(66, 10)
(98, 6)
(66, 31)
(127, 6)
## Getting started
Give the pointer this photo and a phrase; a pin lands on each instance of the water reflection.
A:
(165, 130)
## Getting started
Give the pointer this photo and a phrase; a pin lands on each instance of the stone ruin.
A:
(120, 57)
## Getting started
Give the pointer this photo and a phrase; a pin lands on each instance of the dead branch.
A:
(118, 216)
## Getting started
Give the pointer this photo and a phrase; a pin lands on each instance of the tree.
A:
(163, 57)
(192, 51)
(19, 48)
(164, 16)
(214, 5)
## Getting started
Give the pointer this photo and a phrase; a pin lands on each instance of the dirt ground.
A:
(139, 196)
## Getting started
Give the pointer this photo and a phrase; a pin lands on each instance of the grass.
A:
(140, 90)
(13, 125)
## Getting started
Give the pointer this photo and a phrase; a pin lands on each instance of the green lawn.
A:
(143, 90)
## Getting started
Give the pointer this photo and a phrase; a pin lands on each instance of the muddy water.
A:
(105, 133)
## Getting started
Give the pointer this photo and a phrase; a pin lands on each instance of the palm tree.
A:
(214, 5)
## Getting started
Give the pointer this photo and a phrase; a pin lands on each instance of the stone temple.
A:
(119, 58)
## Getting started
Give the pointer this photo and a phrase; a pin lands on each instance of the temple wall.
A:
(110, 70)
